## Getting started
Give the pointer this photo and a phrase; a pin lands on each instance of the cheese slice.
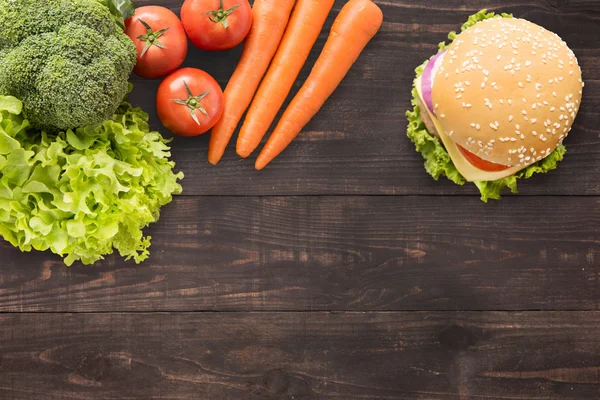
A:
(470, 172)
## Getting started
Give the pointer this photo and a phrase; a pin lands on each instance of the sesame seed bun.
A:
(508, 91)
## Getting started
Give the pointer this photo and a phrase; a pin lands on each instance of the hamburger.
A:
(495, 104)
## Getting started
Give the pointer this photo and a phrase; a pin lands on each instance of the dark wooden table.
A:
(342, 271)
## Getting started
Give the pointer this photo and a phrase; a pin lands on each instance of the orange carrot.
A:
(300, 36)
(357, 23)
(270, 17)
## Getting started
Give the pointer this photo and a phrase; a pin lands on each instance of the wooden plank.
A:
(335, 253)
(357, 144)
(451, 355)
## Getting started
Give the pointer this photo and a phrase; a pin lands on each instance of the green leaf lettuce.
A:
(437, 160)
(83, 193)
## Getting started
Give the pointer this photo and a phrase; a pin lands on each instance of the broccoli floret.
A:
(68, 61)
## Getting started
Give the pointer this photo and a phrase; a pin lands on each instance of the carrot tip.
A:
(260, 165)
(243, 153)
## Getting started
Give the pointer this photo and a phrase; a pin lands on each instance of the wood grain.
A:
(335, 253)
(357, 143)
(451, 355)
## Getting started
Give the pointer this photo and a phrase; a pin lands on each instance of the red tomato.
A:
(216, 24)
(480, 162)
(189, 102)
(160, 40)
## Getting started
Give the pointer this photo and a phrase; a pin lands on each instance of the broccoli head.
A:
(68, 61)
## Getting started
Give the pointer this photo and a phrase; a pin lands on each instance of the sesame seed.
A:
(478, 126)
(534, 106)
(510, 118)
(520, 84)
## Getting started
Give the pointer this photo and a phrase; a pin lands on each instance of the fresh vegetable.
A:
(300, 36)
(480, 163)
(189, 102)
(357, 23)
(121, 10)
(269, 21)
(160, 41)
(437, 160)
(82, 193)
(67, 60)
(216, 24)
(427, 81)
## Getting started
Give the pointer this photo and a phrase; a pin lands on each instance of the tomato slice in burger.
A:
(480, 162)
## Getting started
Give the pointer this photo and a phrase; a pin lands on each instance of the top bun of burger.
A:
(508, 91)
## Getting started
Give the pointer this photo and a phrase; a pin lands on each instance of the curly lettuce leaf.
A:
(83, 193)
(437, 160)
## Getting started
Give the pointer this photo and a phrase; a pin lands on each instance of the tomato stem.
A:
(151, 37)
(193, 102)
(220, 15)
